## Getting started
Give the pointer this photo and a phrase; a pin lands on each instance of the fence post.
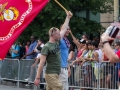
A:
(35, 88)
(98, 86)
(0, 70)
(18, 81)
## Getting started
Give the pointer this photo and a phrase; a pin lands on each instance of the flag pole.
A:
(61, 6)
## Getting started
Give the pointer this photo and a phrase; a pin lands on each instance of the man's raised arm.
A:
(65, 25)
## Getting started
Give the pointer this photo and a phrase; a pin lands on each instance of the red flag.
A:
(15, 15)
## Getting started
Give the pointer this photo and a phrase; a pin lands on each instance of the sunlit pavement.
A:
(4, 87)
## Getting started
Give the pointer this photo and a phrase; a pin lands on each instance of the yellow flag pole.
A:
(61, 6)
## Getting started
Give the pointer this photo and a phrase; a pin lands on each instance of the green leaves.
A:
(53, 16)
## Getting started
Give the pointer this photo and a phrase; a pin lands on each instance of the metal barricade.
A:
(10, 70)
(82, 76)
(95, 75)
(0, 70)
(15, 70)
(25, 70)
(111, 77)
(89, 75)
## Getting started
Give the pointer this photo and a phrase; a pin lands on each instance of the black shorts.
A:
(109, 69)
(117, 74)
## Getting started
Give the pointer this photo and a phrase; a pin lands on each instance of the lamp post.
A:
(116, 10)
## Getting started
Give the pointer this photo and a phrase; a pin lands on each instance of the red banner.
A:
(15, 15)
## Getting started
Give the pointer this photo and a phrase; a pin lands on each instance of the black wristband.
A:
(37, 78)
(105, 42)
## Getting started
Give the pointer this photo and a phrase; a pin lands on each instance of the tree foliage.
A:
(53, 16)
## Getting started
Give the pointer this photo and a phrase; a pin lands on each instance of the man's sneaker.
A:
(16, 78)
(1, 79)
(28, 80)
(29, 84)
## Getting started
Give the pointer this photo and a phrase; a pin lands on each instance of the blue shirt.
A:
(16, 48)
(64, 53)
(31, 48)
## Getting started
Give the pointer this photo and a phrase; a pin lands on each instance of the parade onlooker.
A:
(31, 54)
(117, 48)
(97, 56)
(22, 49)
(109, 52)
(80, 51)
(85, 37)
(111, 55)
(38, 48)
(27, 46)
(15, 51)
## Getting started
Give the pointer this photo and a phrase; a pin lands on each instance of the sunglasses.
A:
(31, 38)
(115, 45)
(68, 29)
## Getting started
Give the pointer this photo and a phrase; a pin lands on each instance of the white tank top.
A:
(99, 51)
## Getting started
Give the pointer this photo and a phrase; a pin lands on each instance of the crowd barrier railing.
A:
(82, 76)
(89, 75)
(10, 70)
(0, 70)
(16, 70)
(95, 75)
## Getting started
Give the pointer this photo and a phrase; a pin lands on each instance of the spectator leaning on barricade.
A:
(27, 46)
(109, 72)
(51, 55)
(81, 47)
(15, 51)
(112, 56)
(38, 48)
(85, 53)
(97, 56)
(22, 49)
(31, 54)
(91, 64)
(80, 51)
(84, 64)
(117, 48)
(109, 52)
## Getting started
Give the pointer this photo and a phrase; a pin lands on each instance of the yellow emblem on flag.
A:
(8, 14)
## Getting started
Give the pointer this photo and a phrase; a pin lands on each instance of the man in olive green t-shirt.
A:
(51, 55)
(52, 51)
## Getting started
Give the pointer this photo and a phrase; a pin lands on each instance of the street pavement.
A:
(4, 87)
